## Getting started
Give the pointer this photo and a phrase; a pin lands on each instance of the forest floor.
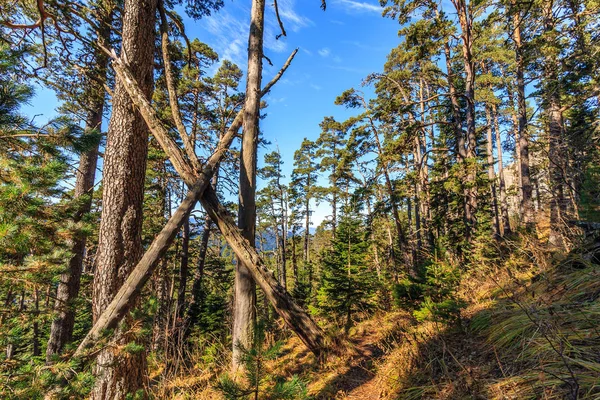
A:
(529, 331)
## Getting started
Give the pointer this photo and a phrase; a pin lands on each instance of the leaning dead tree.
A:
(198, 181)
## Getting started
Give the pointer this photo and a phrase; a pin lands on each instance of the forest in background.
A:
(459, 258)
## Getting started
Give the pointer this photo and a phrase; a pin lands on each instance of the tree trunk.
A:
(294, 257)
(556, 152)
(119, 247)
(293, 315)
(36, 323)
(466, 20)
(489, 147)
(61, 330)
(526, 207)
(244, 308)
(306, 257)
(502, 183)
(130, 290)
(284, 233)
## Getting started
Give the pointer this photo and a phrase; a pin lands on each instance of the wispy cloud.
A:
(324, 52)
(290, 17)
(359, 6)
(229, 30)
(315, 86)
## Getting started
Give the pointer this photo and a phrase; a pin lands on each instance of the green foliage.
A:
(432, 294)
(209, 315)
(257, 383)
(301, 292)
(347, 284)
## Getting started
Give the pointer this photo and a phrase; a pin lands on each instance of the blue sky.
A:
(338, 49)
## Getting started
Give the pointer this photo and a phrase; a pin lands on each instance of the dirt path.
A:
(355, 377)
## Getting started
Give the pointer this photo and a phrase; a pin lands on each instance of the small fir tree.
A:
(347, 284)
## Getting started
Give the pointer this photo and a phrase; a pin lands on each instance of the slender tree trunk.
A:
(179, 325)
(196, 303)
(244, 310)
(466, 20)
(526, 207)
(61, 330)
(294, 257)
(306, 256)
(491, 172)
(555, 132)
(502, 183)
(461, 144)
(284, 233)
(119, 374)
(293, 315)
(183, 267)
(36, 324)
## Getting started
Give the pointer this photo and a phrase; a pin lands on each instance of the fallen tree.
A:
(199, 189)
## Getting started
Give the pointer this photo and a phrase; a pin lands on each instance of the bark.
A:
(306, 256)
(556, 152)
(466, 20)
(130, 290)
(491, 172)
(505, 222)
(119, 247)
(283, 245)
(36, 323)
(294, 257)
(526, 207)
(183, 278)
(461, 144)
(244, 308)
(194, 308)
(293, 315)
(61, 330)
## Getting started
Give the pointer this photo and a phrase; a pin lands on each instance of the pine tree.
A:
(347, 284)
(303, 190)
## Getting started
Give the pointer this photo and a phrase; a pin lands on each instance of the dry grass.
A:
(530, 331)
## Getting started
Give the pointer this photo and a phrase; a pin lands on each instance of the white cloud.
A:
(324, 52)
(291, 19)
(316, 87)
(360, 6)
(229, 28)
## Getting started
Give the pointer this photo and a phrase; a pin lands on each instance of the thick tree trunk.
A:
(61, 330)
(244, 308)
(131, 289)
(119, 247)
